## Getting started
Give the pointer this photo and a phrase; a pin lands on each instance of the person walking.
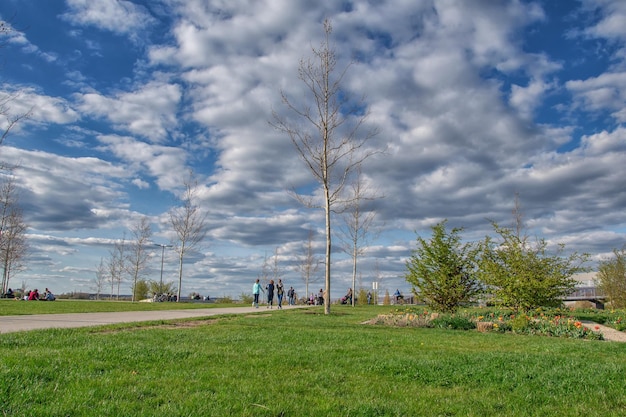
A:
(270, 293)
(256, 289)
(280, 291)
(290, 295)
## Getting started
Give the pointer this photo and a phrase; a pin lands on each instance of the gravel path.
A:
(609, 333)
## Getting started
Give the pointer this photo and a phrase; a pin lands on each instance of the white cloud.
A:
(150, 111)
(604, 92)
(118, 16)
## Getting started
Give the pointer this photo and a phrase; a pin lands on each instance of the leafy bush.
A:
(520, 323)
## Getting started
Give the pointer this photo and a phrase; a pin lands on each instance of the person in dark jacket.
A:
(270, 293)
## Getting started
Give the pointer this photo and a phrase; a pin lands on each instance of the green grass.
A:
(303, 363)
(11, 307)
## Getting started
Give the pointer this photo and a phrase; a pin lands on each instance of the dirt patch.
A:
(173, 325)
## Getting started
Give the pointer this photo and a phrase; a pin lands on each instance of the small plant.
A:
(519, 323)
(387, 298)
(246, 298)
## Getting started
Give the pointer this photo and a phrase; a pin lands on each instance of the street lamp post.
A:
(162, 256)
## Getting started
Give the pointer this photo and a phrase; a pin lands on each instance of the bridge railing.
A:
(586, 293)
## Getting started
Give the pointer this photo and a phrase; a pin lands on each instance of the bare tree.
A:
(264, 275)
(277, 273)
(309, 264)
(518, 217)
(8, 119)
(354, 234)
(100, 279)
(137, 251)
(13, 246)
(330, 144)
(117, 265)
(189, 223)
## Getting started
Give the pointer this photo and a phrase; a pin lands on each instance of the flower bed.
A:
(541, 322)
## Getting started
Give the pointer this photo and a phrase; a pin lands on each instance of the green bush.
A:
(520, 323)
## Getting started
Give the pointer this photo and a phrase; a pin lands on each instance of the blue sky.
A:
(475, 102)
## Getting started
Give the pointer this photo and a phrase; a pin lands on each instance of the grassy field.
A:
(303, 363)
(11, 307)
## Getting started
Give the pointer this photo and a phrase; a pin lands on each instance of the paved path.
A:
(9, 324)
(608, 333)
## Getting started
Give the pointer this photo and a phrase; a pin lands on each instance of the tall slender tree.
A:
(354, 234)
(309, 264)
(116, 265)
(8, 119)
(138, 250)
(13, 245)
(189, 224)
(330, 142)
(100, 279)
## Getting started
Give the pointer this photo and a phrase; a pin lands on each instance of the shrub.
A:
(520, 323)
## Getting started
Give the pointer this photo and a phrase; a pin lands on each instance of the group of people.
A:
(314, 299)
(317, 300)
(35, 296)
(270, 289)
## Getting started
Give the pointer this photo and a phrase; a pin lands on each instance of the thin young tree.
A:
(100, 279)
(309, 264)
(355, 234)
(13, 246)
(277, 272)
(137, 254)
(189, 223)
(8, 119)
(265, 274)
(116, 265)
(330, 141)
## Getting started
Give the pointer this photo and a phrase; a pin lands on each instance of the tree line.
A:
(128, 258)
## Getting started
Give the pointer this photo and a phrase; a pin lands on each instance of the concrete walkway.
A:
(10, 324)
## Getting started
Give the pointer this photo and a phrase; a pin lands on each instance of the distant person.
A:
(280, 292)
(398, 296)
(256, 289)
(320, 297)
(48, 296)
(290, 296)
(34, 295)
(270, 293)
(369, 297)
(9, 294)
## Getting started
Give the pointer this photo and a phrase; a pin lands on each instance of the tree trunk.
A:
(328, 251)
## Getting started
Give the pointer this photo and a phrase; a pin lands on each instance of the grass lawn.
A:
(303, 363)
(12, 307)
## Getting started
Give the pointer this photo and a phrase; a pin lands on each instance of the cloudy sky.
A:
(474, 102)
